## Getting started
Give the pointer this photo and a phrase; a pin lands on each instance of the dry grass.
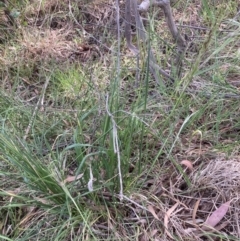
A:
(168, 200)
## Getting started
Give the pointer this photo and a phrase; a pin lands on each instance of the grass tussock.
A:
(92, 148)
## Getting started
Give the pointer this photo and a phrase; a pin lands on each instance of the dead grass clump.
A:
(178, 210)
(40, 9)
(214, 185)
(47, 44)
(221, 175)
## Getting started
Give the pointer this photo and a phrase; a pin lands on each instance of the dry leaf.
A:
(195, 211)
(153, 232)
(166, 218)
(152, 211)
(90, 182)
(188, 164)
(217, 215)
(222, 225)
(72, 178)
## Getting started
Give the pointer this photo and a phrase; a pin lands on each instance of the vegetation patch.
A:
(92, 147)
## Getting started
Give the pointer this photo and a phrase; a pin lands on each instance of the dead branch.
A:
(132, 7)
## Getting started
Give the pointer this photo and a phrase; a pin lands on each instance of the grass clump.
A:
(91, 148)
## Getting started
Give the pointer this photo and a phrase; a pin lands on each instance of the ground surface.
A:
(79, 133)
